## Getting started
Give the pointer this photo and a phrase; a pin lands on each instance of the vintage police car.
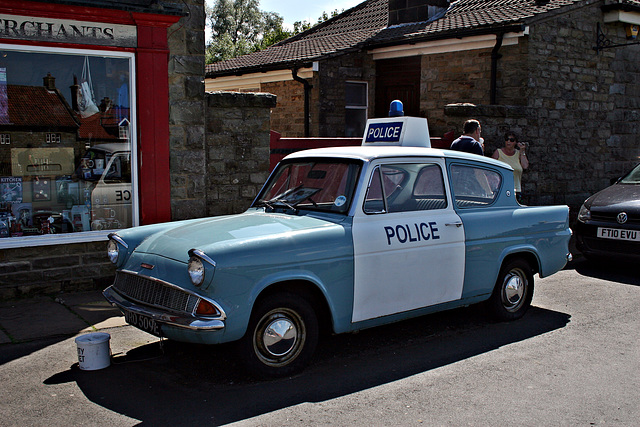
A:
(338, 240)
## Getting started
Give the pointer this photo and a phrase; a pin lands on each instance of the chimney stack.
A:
(407, 11)
(49, 82)
(75, 89)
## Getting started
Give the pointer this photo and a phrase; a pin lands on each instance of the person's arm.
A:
(495, 155)
(524, 161)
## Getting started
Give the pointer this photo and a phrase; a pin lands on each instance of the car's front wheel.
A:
(281, 337)
(513, 291)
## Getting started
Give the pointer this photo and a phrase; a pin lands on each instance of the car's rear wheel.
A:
(513, 291)
(281, 337)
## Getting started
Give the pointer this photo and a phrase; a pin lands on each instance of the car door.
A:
(408, 241)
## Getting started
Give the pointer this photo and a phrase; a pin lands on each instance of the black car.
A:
(608, 223)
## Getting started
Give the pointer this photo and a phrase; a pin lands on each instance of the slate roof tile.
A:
(365, 26)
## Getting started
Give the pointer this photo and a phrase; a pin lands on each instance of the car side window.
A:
(474, 186)
(405, 188)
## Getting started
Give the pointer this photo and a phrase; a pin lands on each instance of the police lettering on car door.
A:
(414, 233)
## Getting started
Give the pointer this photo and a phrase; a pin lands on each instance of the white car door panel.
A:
(407, 259)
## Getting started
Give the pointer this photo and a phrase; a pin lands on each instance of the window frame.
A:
(94, 235)
(407, 179)
(364, 107)
(480, 205)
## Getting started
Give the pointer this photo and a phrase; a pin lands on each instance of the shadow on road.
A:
(611, 270)
(180, 383)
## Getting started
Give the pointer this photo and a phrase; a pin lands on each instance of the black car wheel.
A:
(281, 338)
(513, 291)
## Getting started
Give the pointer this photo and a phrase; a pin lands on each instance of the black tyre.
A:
(513, 291)
(281, 337)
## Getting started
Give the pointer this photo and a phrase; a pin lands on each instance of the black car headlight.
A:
(196, 266)
(585, 213)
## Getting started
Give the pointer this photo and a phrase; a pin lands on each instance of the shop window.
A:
(66, 126)
(356, 108)
(53, 138)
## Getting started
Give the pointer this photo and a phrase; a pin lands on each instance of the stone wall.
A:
(328, 106)
(577, 108)
(237, 150)
(453, 78)
(186, 118)
(54, 269)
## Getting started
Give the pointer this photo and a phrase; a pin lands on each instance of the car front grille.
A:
(611, 217)
(157, 294)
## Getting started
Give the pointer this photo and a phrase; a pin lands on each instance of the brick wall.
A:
(287, 118)
(327, 104)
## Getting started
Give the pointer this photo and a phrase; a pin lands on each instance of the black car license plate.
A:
(619, 234)
(140, 321)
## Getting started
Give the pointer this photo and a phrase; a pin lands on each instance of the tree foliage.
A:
(239, 27)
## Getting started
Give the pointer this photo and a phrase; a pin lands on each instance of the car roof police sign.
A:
(402, 131)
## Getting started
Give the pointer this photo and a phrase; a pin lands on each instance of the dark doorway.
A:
(398, 78)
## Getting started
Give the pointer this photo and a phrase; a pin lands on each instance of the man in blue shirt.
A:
(469, 141)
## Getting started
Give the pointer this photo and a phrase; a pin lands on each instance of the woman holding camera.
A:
(514, 154)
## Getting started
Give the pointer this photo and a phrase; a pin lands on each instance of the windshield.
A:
(633, 177)
(324, 185)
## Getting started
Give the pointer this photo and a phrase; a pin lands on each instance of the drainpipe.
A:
(307, 95)
(494, 66)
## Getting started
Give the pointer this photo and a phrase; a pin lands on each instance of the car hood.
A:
(616, 198)
(225, 232)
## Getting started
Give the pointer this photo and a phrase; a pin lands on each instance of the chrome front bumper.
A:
(162, 317)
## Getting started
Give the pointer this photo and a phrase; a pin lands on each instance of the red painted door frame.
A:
(152, 88)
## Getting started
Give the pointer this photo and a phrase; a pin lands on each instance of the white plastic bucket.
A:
(93, 351)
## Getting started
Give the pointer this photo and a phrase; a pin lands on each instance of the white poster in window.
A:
(42, 161)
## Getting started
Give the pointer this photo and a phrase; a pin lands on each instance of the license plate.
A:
(143, 322)
(618, 234)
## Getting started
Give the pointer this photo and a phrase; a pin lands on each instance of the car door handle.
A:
(457, 224)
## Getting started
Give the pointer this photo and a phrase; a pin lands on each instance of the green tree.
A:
(239, 27)
(236, 25)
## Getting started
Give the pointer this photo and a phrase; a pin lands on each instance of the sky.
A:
(301, 10)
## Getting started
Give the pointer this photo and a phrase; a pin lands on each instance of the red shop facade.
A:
(84, 134)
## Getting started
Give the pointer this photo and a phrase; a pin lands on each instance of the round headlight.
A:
(196, 270)
(113, 251)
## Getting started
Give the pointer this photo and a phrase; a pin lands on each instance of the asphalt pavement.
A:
(62, 315)
(574, 359)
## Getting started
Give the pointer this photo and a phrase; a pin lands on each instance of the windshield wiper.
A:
(265, 203)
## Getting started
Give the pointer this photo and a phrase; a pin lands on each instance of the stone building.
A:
(560, 73)
(125, 101)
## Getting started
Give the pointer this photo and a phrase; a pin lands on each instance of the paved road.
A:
(573, 360)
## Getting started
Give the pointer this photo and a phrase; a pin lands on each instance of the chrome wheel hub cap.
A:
(280, 337)
(513, 290)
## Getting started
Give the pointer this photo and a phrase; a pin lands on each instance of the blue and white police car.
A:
(341, 239)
